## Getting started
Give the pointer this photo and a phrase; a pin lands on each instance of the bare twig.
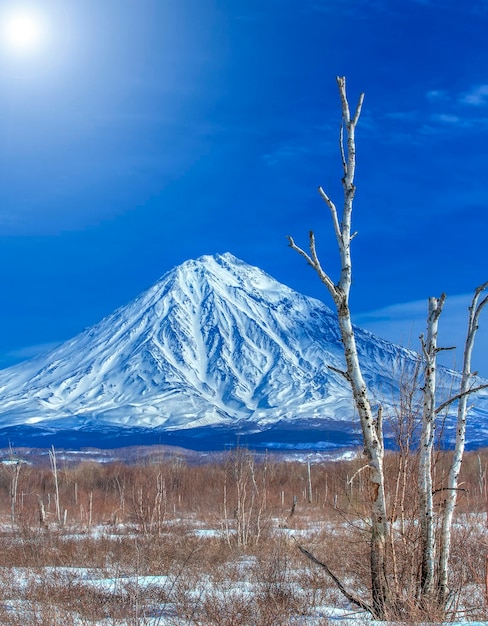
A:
(347, 594)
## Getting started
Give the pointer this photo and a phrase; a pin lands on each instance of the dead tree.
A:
(466, 389)
(435, 550)
(14, 466)
(54, 469)
(371, 428)
(425, 487)
(431, 589)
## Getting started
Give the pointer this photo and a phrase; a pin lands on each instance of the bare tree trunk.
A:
(14, 481)
(373, 446)
(425, 589)
(452, 485)
(309, 483)
(371, 429)
(54, 468)
(42, 512)
(14, 466)
(426, 513)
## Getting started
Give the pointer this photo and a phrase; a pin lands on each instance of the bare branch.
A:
(482, 304)
(341, 372)
(313, 260)
(349, 482)
(333, 211)
(450, 489)
(341, 146)
(341, 83)
(423, 346)
(294, 246)
(355, 119)
(325, 278)
(347, 594)
(479, 290)
(476, 307)
(458, 396)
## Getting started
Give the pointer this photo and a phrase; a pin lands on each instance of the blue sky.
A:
(144, 133)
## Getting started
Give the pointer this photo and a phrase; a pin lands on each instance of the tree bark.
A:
(427, 588)
(452, 484)
(426, 513)
(54, 468)
(372, 435)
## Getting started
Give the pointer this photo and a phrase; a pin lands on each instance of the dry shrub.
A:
(127, 521)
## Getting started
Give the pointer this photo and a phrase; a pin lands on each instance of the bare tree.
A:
(466, 389)
(435, 551)
(248, 485)
(371, 428)
(431, 590)
(54, 468)
(14, 466)
(425, 488)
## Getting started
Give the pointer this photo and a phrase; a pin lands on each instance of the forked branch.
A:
(313, 260)
(342, 227)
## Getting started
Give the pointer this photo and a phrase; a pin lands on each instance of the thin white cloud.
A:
(456, 111)
(476, 96)
(437, 95)
(446, 118)
(449, 112)
(403, 324)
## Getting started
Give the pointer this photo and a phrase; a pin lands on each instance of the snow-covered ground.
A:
(113, 595)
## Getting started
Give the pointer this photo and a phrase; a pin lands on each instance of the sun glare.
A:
(22, 31)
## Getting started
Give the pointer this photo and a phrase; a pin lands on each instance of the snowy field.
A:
(173, 543)
(243, 591)
(202, 579)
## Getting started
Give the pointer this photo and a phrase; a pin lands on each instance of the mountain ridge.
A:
(214, 344)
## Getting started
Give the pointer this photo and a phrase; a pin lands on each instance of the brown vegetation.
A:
(222, 535)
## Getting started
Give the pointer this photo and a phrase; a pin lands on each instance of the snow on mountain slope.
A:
(213, 342)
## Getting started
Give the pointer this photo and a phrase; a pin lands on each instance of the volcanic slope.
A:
(214, 343)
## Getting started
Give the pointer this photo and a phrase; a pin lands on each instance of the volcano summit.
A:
(216, 349)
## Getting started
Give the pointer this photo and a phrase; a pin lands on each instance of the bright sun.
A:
(22, 31)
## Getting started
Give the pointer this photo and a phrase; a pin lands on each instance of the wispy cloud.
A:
(446, 118)
(477, 96)
(449, 110)
(458, 108)
(474, 96)
(446, 112)
(437, 95)
(403, 323)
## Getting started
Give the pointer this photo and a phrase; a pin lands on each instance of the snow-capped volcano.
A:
(215, 342)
